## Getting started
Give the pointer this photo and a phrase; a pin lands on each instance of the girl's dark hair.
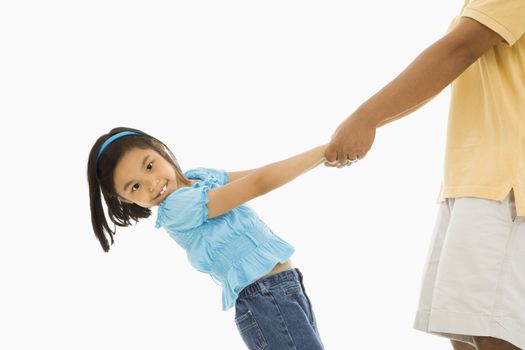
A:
(100, 179)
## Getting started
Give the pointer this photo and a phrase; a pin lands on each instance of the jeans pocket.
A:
(293, 289)
(250, 331)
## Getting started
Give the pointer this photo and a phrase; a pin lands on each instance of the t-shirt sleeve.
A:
(505, 17)
(219, 175)
(184, 209)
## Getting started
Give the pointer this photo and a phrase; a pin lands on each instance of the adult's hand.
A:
(351, 141)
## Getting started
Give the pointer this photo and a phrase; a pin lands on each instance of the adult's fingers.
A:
(352, 158)
(331, 153)
(343, 164)
(330, 164)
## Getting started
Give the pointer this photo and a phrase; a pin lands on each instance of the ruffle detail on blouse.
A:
(184, 209)
(252, 267)
(215, 175)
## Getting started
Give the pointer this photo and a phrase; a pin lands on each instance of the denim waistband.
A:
(265, 283)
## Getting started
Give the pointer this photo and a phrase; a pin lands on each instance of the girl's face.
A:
(144, 177)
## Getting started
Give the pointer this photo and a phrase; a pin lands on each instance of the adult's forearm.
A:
(433, 70)
(404, 113)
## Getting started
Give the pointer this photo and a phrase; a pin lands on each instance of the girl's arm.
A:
(261, 180)
(235, 175)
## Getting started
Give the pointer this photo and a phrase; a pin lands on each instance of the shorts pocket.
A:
(250, 331)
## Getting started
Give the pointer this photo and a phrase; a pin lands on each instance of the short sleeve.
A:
(505, 17)
(184, 209)
(218, 175)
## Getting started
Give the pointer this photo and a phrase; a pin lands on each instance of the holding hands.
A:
(351, 141)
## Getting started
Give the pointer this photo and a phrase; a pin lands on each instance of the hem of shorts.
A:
(464, 326)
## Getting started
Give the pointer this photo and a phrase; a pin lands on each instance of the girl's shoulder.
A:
(185, 208)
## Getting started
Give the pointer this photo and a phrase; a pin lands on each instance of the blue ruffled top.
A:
(235, 248)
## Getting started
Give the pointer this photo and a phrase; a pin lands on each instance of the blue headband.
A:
(113, 138)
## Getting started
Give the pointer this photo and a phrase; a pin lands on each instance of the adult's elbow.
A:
(471, 39)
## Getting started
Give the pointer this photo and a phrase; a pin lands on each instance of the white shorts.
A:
(474, 278)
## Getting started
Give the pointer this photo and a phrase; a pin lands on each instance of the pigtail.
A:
(98, 218)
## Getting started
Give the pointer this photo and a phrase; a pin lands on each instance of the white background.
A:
(225, 84)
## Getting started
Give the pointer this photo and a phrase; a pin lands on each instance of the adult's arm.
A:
(434, 69)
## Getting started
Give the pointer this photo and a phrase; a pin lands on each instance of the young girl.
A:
(203, 211)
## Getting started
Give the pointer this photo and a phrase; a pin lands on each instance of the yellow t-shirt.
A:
(485, 152)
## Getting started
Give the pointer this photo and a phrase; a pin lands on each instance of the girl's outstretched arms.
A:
(257, 182)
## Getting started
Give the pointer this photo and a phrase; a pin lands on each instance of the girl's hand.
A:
(351, 141)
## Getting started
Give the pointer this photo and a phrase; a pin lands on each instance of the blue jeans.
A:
(275, 313)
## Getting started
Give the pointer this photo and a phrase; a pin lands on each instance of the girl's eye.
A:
(149, 166)
(135, 187)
